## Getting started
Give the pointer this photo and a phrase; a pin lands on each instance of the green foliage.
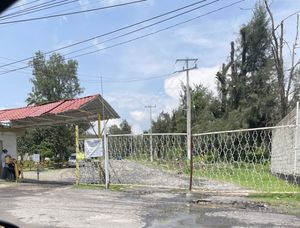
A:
(124, 128)
(54, 79)
(248, 95)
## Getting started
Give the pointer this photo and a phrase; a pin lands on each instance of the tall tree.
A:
(285, 73)
(53, 79)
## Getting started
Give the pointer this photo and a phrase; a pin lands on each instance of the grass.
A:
(252, 176)
(285, 202)
(247, 175)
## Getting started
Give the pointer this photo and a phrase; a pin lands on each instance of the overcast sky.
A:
(125, 67)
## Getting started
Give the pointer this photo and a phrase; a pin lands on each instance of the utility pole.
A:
(150, 131)
(188, 102)
(106, 158)
(189, 113)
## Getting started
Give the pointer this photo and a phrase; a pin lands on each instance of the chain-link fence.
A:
(157, 159)
(264, 160)
(255, 159)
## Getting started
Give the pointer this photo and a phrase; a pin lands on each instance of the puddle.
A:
(187, 221)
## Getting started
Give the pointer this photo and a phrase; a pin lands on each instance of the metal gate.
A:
(250, 160)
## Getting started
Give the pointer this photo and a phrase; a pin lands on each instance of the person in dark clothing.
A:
(5, 170)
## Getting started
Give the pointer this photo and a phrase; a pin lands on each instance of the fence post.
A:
(106, 161)
(77, 153)
(296, 138)
(191, 164)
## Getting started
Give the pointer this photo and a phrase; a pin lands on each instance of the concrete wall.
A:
(286, 146)
(9, 140)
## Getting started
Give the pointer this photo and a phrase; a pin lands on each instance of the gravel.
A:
(134, 173)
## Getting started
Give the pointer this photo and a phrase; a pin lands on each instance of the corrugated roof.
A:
(71, 108)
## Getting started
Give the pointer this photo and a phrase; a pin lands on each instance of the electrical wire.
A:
(106, 34)
(129, 81)
(143, 28)
(72, 13)
(37, 8)
(144, 36)
(21, 5)
(157, 31)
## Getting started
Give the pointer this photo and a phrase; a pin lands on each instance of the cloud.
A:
(137, 129)
(96, 43)
(138, 115)
(204, 76)
(63, 20)
(84, 4)
(114, 2)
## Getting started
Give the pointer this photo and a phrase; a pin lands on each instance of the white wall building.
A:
(8, 140)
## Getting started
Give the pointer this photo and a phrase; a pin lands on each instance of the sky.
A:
(134, 74)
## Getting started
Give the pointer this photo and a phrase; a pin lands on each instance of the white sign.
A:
(35, 157)
(93, 148)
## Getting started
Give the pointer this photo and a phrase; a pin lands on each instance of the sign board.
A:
(80, 156)
(36, 158)
(93, 148)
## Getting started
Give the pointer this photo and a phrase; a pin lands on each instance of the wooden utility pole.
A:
(150, 131)
(189, 113)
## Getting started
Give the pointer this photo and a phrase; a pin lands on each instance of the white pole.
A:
(151, 146)
(150, 131)
(296, 138)
(106, 158)
(189, 117)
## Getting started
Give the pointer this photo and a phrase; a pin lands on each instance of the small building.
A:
(8, 140)
(13, 122)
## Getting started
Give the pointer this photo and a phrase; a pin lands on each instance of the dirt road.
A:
(36, 205)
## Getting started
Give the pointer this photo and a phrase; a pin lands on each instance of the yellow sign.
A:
(80, 156)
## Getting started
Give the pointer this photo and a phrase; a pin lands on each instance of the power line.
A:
(134, 39)
(36, 8)
(106, 34)
(72, 13)
(130, 80)
(155, 32)
(145, 27)
(81, 5)
(6, 4)
(21, 5)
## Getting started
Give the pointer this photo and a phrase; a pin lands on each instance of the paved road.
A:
(36, 205)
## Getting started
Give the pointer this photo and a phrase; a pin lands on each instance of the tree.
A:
(123, 128)
(163, 124)
(53, 80)
(286, 84)
(256, 69)
(246, 84)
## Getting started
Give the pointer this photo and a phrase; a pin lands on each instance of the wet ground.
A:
(44, 205)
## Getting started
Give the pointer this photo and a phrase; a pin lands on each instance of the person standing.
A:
(5, 171)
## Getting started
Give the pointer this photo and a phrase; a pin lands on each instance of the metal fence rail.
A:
(262, 160)
(251, 159)
(157, 159)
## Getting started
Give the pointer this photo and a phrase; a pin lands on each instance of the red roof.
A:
(49, 108)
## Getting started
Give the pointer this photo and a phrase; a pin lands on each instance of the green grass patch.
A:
(252, 176)
(247, 175)
(286, 202)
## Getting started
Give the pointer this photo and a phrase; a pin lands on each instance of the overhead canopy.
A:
(58, 113)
